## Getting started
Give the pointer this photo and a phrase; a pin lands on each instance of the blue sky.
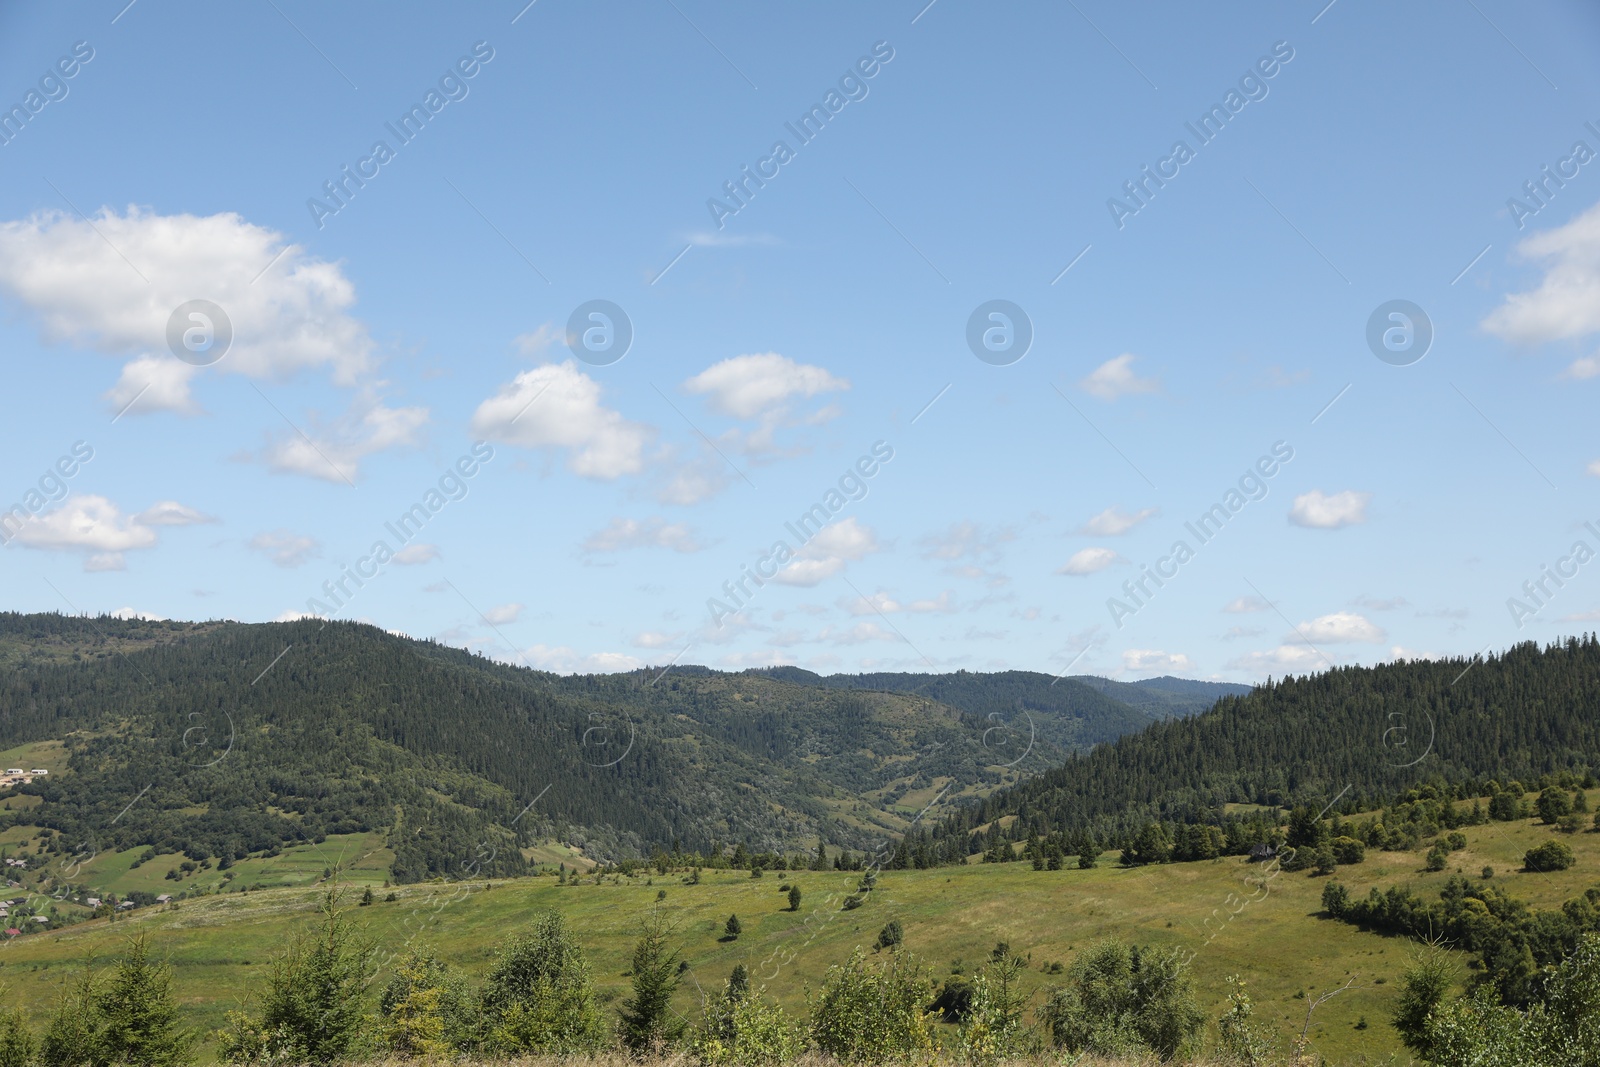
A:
(573, 153)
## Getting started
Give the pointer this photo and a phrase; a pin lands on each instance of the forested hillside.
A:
(1361, 735)
(223, 740)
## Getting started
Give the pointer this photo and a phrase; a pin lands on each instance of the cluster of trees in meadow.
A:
(1557, 1026)
(333, 996)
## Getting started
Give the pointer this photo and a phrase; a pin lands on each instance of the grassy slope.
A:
(221, 944)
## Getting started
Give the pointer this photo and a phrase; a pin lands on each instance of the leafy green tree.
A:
(1553, 804)
(313, 1007)
(1438, 855)
(539, 997)
(1348, 850)
(648, 1021)
(1550, 856)
(138, 1016)
(867, 1015)
(794, 898)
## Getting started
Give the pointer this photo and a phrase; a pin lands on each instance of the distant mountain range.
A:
(223, 739)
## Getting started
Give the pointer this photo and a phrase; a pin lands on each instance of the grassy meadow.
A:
(1236, 917)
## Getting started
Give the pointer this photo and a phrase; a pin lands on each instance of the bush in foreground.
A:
(870, 1014)
(1120, 1000)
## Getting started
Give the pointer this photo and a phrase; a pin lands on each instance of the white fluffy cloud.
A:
(1088, 561)
(1285, 658)
(967, 540)
(1341, 627)
(135, 613)
(414, 555)
(557, 406)
(1116, 378)
(1113, 521)
(1566, 303)
(826, 554)
(503, 614)
(747, 386)
(1246, 604)
(1154, 661)
(622, 534)
(284, 548)
(561, 659)
(1329, 511)
(96, 526)
(294, 316)
(882, 603)
(333, 450)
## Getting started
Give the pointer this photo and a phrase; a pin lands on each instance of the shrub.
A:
(1560, 1030)
(1455, 840)
(1550, 856)
(1569, 824)
(425, 1010)
(890, 936)
(992, 1029)
(794, 898)
(538, 996)
(1241, 1042)
(872, 1015)
(1324, 859)
(1488, 872)
(741, 1029)
(1335, 899)
(1348, 850)
(954, 1001)
(1119, 1000)
(1437, 856)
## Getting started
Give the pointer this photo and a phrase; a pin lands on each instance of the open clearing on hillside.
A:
(221, 945)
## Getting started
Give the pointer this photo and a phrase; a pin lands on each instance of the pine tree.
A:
(312, 1008)
(72, 1036)
(16, 1040)
(738, 983)
(794, 898)
(648, 1021)
(139, 1018)
(732, 929)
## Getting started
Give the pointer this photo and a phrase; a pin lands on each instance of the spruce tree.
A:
(16, 1040)
(648, 1021)
(794, 898)
(139, 1017)
(733, 928)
